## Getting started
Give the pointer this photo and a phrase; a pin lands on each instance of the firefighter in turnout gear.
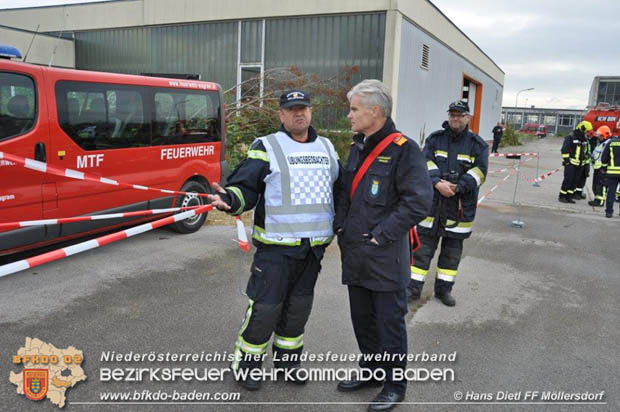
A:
(457, 161)
(289, 178)
(584, 171)
(599, 188)
(610, 167)
(574, 153)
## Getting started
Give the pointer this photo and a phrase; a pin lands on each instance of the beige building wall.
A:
(132, 13)
(45, 49)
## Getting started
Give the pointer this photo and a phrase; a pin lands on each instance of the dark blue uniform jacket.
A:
(394, 195)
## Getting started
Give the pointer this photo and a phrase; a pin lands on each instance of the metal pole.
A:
(536, 184)
(517, 223)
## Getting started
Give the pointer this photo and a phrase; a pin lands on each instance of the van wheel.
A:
(193, 223)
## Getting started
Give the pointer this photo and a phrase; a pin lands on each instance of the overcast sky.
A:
(555, 46)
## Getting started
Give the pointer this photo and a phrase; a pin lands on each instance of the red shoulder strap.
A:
(394, 137)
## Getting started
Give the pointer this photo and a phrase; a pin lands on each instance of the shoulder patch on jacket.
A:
(400, 140)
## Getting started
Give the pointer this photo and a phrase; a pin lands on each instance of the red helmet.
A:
(604, 131)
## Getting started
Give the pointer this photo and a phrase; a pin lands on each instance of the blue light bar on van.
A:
(9, 52)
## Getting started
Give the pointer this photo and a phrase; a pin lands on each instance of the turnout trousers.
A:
(598, 187)
(580, 180)
(379, 325)
(281, 291)
(447, 265)
(570, 181)
(612, 185)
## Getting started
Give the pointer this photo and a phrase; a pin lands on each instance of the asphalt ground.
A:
(537, 310)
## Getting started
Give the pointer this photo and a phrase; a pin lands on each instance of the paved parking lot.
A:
(537, 310)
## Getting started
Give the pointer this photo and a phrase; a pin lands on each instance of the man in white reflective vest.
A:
(289, 178)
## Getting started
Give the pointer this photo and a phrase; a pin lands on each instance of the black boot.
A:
(414, 290)
(446, 298)
(566, 199)
(443, 291)
(248, 382)
(297, 375)
(595, 203)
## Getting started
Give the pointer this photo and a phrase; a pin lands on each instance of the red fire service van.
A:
(536, 129)
(156, 132)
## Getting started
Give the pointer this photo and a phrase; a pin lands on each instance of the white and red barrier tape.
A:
(512, 154)
(487, 194)
(74, 174)
(242, 237)
(113, 237)
(26, 223)
(500, 170)
(543, 176)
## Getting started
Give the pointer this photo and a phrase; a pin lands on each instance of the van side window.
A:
(103, 116)
(17, 104)
(185, 116)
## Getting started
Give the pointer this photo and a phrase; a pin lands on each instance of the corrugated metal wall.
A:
(424, 95)
(325, 44)
(207, 49)
(320, 44)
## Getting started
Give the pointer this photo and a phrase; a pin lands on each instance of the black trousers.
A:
(496, 142)
(281, 292)
(379, 325)
(570, 180)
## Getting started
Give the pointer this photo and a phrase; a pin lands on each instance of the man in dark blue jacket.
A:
(457, 161)
(372, 225)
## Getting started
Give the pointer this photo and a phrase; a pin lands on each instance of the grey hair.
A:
(373, 93)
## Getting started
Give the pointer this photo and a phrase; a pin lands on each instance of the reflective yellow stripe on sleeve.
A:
(258, 154)
(431, 165)
(477, 174)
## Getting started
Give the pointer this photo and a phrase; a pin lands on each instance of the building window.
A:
(425, 57)
(566, 120)
(531, 118)
(250, 62)
(549, 120)
(514, 119)
(609, 92)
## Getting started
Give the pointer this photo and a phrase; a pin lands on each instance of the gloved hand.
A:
(565, 162)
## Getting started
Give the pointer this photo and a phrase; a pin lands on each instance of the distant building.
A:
(423, 57)
(556, 120)
(604, 89)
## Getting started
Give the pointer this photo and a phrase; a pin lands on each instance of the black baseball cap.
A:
(294, 97)
(459, 106)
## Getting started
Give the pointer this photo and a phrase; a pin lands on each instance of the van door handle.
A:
(39, 152)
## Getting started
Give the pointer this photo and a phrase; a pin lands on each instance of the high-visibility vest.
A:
(613, 166)
(299, 199)
(596, 154)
